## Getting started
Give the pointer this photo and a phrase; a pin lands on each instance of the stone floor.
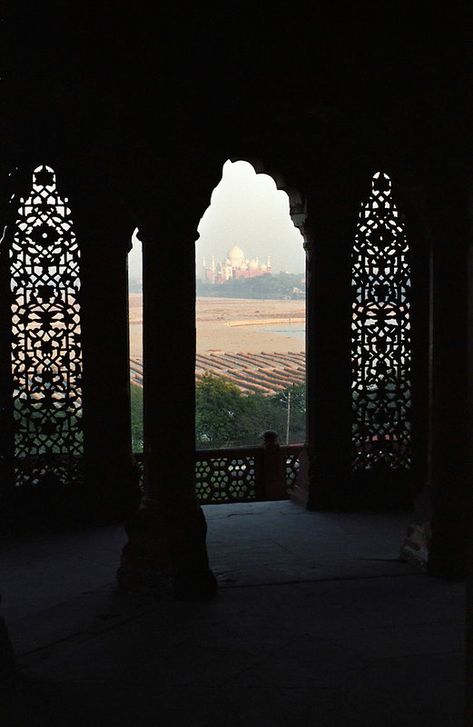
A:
(317, 623)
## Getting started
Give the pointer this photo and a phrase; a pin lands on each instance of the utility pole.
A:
(288, 423)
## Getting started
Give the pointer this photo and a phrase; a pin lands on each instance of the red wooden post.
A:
(274, 484)
(300, 490)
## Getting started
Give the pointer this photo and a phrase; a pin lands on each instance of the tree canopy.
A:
(225, 417)
(281, 286)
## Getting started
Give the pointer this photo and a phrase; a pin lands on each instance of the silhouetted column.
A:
(330, 229)
(412, 196)
(411, 200)
(7, 489)
(450, 457)
(168, 357)
(469, 522)
(6, 652)
(167, 536)
(104, 231)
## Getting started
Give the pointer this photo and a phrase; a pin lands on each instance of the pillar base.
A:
(447, 557)
(7, 665)
(167, 547)
(415, 547)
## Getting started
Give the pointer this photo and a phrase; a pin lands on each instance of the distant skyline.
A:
(248, 210)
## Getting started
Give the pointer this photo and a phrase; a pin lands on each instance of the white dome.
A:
(236, 256)
(253, 264)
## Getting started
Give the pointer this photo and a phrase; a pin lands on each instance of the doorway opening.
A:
(250, 331)
(250, 364)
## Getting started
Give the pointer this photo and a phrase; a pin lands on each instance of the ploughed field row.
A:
(265, 373)
(136, 371)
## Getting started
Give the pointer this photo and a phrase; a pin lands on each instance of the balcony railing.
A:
(244, 474)
(237, 474)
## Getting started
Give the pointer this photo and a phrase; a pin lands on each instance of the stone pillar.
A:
(469, 523)
(167, 535)
(412, 197)
(6, 652)
(7, 488)
(450, 455)
(469, 625)
(104, 229)
(330, 229)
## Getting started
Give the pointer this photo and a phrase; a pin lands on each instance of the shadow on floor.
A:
(317, 622)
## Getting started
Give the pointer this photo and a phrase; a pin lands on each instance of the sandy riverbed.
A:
(234, 324)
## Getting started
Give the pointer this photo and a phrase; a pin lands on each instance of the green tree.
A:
(280, 286)
(227, 418)
(136, 400)
(219, 406)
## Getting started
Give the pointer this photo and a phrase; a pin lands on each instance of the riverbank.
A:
(237, 325)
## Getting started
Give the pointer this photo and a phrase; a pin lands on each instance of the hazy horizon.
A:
(248, 210)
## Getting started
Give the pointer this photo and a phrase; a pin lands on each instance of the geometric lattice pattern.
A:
(381, 350)
(226, 478)
(292, 466)
(46, 347)
(234, 475)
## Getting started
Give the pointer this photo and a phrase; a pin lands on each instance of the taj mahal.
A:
(234, 267)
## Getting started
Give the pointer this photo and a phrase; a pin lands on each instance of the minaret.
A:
(212, 268)
(268, 264)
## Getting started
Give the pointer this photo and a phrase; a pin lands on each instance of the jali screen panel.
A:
(381, 350)
(46, 346)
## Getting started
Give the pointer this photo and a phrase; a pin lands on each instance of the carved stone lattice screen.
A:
(46, 347)
(234, 475)
(291, 465)
(381, 352)
(228, 477)
(222, 476)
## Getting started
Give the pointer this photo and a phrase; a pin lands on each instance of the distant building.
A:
(234, 267)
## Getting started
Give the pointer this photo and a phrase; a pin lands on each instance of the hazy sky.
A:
(248, 210)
